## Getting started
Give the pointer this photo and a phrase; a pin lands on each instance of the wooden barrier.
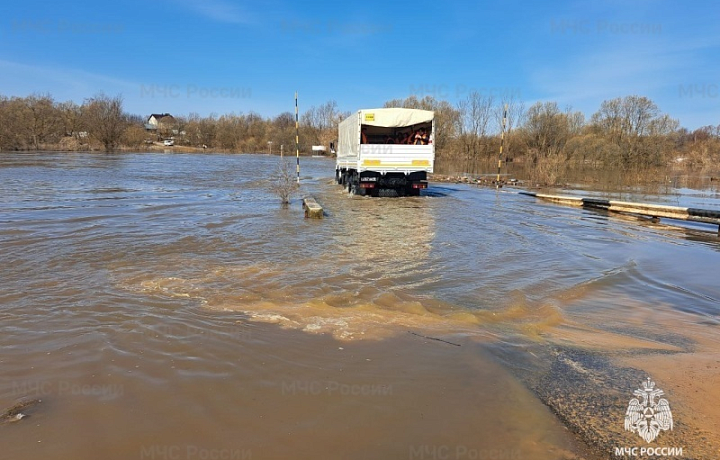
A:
(312, 208)
(655, 211)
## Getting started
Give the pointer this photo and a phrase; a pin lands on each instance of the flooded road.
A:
(167, 306)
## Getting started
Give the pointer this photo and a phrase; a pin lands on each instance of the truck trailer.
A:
(386, 152)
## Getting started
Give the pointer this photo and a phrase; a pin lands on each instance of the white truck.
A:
(386, 152)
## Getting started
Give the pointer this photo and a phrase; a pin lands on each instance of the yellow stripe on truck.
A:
(395, 165)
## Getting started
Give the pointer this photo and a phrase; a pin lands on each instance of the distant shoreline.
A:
(149, 148)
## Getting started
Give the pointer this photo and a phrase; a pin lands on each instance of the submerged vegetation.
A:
(283, 183)
(629, 134)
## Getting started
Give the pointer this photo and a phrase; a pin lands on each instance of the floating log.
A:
(312, 209)
(654, 211)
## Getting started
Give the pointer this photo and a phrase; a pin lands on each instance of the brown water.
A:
(167, 307)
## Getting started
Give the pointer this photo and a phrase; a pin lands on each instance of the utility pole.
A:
(502, 144)
(297, 137)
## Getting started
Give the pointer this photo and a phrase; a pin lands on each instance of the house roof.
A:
(160, 116)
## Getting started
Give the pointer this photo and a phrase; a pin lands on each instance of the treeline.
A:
(629, 133)
(38, 122)
(626, 134)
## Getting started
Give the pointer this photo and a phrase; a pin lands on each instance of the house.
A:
(159, 120)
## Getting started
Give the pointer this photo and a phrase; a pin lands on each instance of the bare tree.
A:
(207, 131)
(548, 128)
(637, 127)
(13, 118)
(282, 132)
(43, 121)
(446, 117)
(319, 124)
(474, 115)
(515, 118)
(105, 120)
(229, 131)
(71, 116)
(283, 184)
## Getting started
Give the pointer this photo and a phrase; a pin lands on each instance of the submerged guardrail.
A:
(312, 209)
(655, 211)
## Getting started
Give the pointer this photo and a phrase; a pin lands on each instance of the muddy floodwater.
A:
(166, 306)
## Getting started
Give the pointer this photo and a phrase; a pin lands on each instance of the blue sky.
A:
(222, 56)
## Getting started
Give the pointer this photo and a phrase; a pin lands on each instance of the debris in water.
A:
(15, 414)
(433, 338)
